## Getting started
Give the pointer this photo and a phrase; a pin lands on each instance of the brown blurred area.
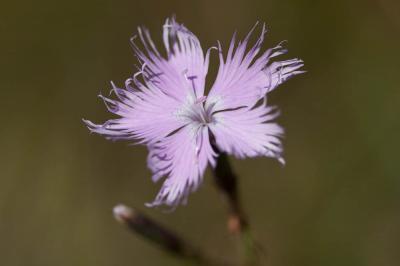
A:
(336, 202)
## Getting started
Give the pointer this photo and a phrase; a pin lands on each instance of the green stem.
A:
(251, 249)
(227, 183)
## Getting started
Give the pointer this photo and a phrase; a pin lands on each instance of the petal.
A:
(150, 103)
(182, 158)
(185, 68)
(242, 79)
(248, 132)
(146, 116)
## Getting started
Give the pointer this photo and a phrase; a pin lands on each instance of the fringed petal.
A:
(182, 158)
(243, 80)
(184, 70)
(145, 116)
(149, 103)
(246, 132)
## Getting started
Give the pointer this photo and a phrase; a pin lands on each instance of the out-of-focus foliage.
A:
(336, 202)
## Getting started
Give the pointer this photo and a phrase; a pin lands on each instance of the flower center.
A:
(193, 111)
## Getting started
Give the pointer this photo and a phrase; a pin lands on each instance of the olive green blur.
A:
(336, 202)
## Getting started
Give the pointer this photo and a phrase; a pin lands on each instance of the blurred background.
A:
(336, 202)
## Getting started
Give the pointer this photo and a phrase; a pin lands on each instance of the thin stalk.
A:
(227, 183)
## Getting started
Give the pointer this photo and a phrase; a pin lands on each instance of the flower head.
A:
(164, 106)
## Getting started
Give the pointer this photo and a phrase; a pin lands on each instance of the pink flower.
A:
(164, 106)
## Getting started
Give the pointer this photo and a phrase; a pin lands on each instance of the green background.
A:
(336, 202)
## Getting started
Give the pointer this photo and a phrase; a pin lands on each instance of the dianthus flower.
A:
(164, 107)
